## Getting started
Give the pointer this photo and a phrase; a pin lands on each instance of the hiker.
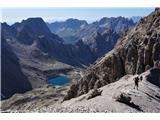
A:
(136, 80)
(141, 78)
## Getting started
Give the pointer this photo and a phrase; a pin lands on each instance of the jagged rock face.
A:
(101, 36)
(145, 39)
(13, 80)
(101, 43)
(138, 50)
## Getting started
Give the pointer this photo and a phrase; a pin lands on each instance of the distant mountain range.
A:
(72, 30)
(99, 36)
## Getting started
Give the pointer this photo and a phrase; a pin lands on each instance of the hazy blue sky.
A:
(11, 15)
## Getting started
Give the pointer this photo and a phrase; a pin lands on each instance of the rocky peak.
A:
(69, 24)
(104, 20)
(76, 21)
(36, 25)
(119, 24)
(157, 9)
(29, 30)
(7, 30)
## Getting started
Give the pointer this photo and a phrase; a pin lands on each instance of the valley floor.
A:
(49, 99)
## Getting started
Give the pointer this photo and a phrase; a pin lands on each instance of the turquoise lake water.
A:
(58, 81)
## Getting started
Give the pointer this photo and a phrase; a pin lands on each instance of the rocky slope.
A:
(136, 52)
(37, 98)
(10, 82)
(145, 99)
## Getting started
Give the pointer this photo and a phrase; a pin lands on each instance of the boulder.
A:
(123, 98)
(94, 93)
